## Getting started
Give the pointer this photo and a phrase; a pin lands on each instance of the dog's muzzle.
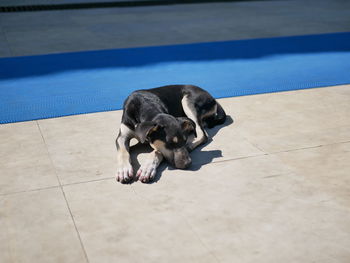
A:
(182, 159)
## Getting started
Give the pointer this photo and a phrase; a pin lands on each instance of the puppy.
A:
(172, 120)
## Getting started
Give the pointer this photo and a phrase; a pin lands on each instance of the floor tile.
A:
(225, 143)
(89, 152)
(258, 209)
(115, 224)
(82, 147)
(280, 215)
(177, 188)
(290, 120)
(304, 139)
(327, 168)
(37, 227)
(24, 160)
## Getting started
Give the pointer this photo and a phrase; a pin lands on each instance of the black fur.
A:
(157, 116)
(144, 105)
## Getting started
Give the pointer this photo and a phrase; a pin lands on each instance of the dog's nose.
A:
(185, 164)
(188, 163)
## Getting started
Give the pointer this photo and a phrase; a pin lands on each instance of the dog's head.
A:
(168, 135)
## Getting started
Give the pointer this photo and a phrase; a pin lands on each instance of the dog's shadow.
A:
(139, 151)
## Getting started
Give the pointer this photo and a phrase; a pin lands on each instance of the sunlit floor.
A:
(271, 187)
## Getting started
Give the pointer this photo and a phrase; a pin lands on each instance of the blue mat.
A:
(36, 87)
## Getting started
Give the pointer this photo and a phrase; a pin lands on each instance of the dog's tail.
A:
(218, 118)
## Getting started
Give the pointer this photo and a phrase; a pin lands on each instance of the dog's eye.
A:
(176, 142)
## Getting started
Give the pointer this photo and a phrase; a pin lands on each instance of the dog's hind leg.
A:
(148, 170)
(124, 169)
(190, 111)
(215, 117)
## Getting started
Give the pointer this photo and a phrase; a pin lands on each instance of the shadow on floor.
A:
(205, 157)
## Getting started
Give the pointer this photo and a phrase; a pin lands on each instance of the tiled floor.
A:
(271, 187)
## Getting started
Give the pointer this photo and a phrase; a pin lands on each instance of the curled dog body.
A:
(171, 119)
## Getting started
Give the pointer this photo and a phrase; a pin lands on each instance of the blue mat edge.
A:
(267, 90)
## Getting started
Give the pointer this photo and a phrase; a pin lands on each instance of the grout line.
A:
(198, 237)
(238, 158)
(90, 181)
(252, 143)
(310, 147)
(28, 191)
(64, 196)
(75, 226)
(195, 164)
(271, 153)
(55, 186)
(184, 219)
(299, 149)
(274, 175)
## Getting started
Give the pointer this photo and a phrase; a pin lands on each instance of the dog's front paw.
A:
(125, 174)
(147, 172)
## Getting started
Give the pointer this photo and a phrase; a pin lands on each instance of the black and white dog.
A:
(172, 120)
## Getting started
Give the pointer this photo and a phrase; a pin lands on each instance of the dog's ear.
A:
(188, 125)
(145, 129)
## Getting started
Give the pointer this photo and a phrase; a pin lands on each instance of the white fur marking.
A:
(124, 170)
(190, 113)
(148, 170)
(125, 131)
